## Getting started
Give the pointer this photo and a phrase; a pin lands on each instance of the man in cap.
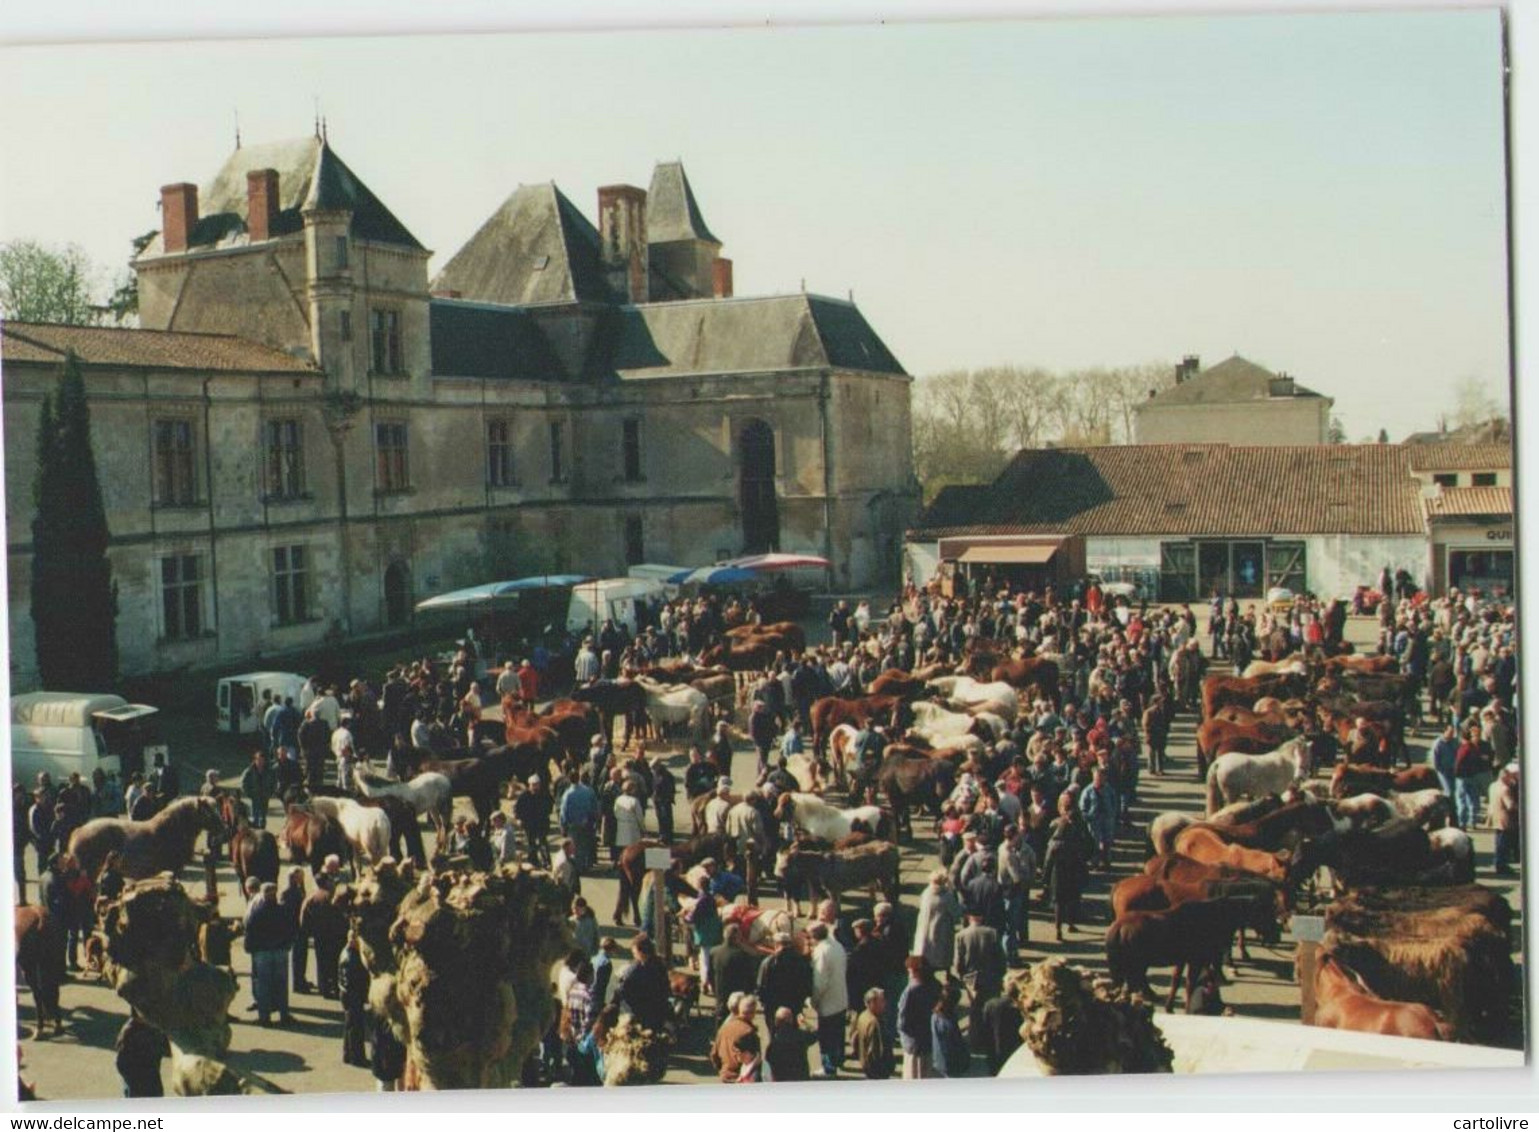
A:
(664, 789)
(532, 810)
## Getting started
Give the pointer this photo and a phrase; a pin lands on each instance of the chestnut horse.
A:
(40, 949)
(253, 852)
(1344, 1002)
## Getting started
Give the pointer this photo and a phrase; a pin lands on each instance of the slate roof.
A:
(537, 248)
(1460, 457)
(1236, 379)
(310, 175)
(1188, 489)
(146, 349)
(1497, 430)
(672, 211)
(1453, 502)
(747, 335)
(479, 340)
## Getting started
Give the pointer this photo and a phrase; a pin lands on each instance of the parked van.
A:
(609, 598)
(238, 697)
(62, 732)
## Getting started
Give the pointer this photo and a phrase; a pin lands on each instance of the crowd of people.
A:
(1028, 820)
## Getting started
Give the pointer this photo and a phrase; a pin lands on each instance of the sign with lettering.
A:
(659, 859)
(1499, 536)
(1308, 929)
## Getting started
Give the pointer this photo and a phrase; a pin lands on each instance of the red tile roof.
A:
(1189, 489)
(144, 349)
(1460, 457)
(1458, 501)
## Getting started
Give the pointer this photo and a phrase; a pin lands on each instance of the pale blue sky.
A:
(1321, 193)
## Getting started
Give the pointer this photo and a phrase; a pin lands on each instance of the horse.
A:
(967, 692)
(1149, 893)
(1431, 808)
(1220, 737)
(40, 952)
(1164, 828)
(1456, 848)
(623, 698)
(405, 829)
(1208, 848)
(367, 830)
(1234, 776)
(1220, 691)
(253, 852)
(429, 793)
(667, 705)
(829, 712)
(1350, 778)
(1344, 1002)
(1283, 828)
(896, 682)
(312, 837)
(935, 723)
(1024, 673)
(789, 635)
(1295, 665)
(1364, 809)
(818, 818)
(909, 778)
(1195, 935)
(145, 848)
(631, 867)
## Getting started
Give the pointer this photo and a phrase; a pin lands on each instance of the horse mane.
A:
(179, 812)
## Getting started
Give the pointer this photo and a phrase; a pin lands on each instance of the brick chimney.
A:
(1187, 368)
(623, 239)
(721, 278)
(261, 203)
(178, 215)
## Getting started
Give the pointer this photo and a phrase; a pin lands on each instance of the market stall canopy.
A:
(490, 592)
(776, 561)
(711, 576)
(1035, 554)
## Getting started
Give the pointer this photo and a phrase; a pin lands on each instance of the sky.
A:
(1324, 194)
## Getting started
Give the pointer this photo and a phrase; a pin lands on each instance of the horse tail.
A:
(1214, 794)
(1116, 954)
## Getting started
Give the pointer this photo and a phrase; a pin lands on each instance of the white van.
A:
(62, 732)
(237, 698)
(609, 598)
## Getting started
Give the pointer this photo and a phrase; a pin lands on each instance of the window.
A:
(391, 469)
(634, 551)
(175, 482)
(499, 454)
(1484, 479)
(340, 255)
(632, 447)
(385, 341)
(285, 460)
(345, 323)
(181, 597)
(1446, 479)
(557, 467)
(290, 584)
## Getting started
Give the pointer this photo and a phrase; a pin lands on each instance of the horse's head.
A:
(785, 806)
(207, 816)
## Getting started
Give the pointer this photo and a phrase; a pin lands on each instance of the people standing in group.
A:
(268, 937)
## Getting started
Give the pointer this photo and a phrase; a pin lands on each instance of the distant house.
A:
(1466, 491)
(1234, 402)
(1184, 521)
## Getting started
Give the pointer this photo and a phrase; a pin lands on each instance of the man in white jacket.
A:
(830, 997)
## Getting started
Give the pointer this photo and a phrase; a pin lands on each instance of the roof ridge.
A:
(8, 323)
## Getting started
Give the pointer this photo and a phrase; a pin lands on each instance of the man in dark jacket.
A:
(532, 810)
(644, 989)
(788, 1045)
(314, 746)
(664, 789)
(763, 726)
(269, 934)
(733, 970)
(785, 978)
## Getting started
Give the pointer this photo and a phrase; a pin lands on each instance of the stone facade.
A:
(1233, 402)
(362, 442)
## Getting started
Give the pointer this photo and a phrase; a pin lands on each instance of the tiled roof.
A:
(147, 349)
(1458, 501)
(1237, 379)
(1460, 457)
(672, 212)
(1189, 489)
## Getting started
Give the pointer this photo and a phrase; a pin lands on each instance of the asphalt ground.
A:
(307, 1056)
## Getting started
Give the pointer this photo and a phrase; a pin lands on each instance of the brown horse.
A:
(1349, 779)
(1283, 828)
(312, 837)
(1221, 691)
(1031, 672)
(830, 711)
(896, 682)
(253, 852)
(785, 635)
(1344, 1002)
(40, 950)
(145, 848)
(913, 779)
(1218, 737)
(1195, 936)
(1146, 893)
(1207, 846)
(632, 870)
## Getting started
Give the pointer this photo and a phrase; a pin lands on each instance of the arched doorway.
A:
(397, 593)
(756, 487)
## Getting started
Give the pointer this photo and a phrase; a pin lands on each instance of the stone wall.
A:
(1276, 421)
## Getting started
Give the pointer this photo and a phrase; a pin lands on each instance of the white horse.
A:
(933, 722)
(1364, 809)
(1428, 808)
(820, 819)
(1164, 829)
(1002, 697)
(366, 829)
(1235, 775)
(430, 794)
(1289, 665)
(671, 705)
(1456, 847)
(994, 721)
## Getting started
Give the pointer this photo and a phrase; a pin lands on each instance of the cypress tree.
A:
(74, 604)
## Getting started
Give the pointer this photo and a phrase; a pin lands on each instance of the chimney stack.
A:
(261, 203)
(623, 239)
(721, 278)
(1187, 369)
(178, 215)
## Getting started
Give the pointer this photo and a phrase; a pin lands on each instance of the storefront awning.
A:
(1035, 554)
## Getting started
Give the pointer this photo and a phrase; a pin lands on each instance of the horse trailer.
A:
(61, 732)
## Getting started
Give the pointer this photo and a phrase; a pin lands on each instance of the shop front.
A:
(1479, 560)
(1196, 569)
